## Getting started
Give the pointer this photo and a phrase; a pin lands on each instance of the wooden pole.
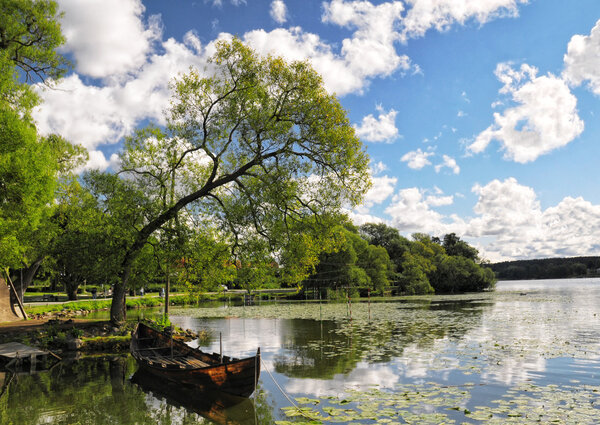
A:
(21, 306)
(369, 295)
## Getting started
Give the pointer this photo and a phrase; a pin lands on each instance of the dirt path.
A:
(37, 324)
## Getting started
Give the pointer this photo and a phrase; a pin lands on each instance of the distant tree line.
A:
(548, 268)
(375, 257)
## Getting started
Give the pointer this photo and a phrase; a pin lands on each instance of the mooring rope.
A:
(285, 394)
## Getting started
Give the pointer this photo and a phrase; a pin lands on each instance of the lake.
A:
(527, 353)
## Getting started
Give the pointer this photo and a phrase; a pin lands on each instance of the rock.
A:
(74, 344)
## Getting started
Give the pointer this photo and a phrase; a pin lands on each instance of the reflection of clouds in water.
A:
(364, 375)
(241, 336)
(418, 363)
(512, 370)
(542, 320)
(504, 337)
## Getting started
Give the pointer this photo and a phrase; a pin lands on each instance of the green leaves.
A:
(30, 33)
(250, 152)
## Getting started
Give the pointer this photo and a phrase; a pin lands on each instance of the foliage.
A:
(29, 164)
(30, 35)
(247, 152)
(428, 265)
(84, 250)
(380, 234)
(351, 263)
(548, 268)
(455, 247)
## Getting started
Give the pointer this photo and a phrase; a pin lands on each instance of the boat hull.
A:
(176, 362)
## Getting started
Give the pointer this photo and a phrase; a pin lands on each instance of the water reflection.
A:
(220, 408)
(474, 349)
(105, 390)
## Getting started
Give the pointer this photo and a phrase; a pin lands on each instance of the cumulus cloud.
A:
(512, 214)
(278, 11)
(441, 14)
(417, 159)
(382, 188)
(91, 115)
(97, 161)
(508, 220)
(449, 162)
(378, 167)
(411, 211)
(582, 60)
(295, 44)
(369, 53)
(108, 37)
(544, 119)
(505, 206)
(219, 3)
(380, 129)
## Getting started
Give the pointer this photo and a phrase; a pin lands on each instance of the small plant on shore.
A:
(162, 322)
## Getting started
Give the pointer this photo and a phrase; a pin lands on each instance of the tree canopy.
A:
(29, 164)
(30, 35)
(253, 145)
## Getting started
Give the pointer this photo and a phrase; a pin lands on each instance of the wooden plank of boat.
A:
(177, 362)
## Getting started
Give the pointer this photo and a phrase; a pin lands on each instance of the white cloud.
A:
(91, 115)
(369, 53)
(417, 159)
(378, 167)
(97, 161)
(295, 44)
(382, 189)
(511, 213)
(380, 129)
(448, 162)
(410, 212)
(108, 37)
(441, 14)
(582, 60)
(505, 207)
(219, 3)
(278, 11)
(438, 201)
(508, 221)
(545, 118)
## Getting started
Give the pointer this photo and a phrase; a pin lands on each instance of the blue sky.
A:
(478, 115)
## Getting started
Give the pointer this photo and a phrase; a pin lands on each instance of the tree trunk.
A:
(29, 273)
(71, 291)
(118, 313)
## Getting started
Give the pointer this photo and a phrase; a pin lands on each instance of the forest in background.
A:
(547, 268)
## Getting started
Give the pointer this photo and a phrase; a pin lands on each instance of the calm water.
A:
(527, 353)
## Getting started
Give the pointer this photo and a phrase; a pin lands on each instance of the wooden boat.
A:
(173, 360)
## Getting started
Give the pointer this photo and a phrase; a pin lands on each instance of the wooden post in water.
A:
(369, 297)
(172, 328)
(221, 346)
(349, 304)
(320, 307)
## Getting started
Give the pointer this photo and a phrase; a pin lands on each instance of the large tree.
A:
(29, 38)
(253, 144)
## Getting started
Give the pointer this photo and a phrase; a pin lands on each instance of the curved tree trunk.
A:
(71, 289)
(28, 273)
